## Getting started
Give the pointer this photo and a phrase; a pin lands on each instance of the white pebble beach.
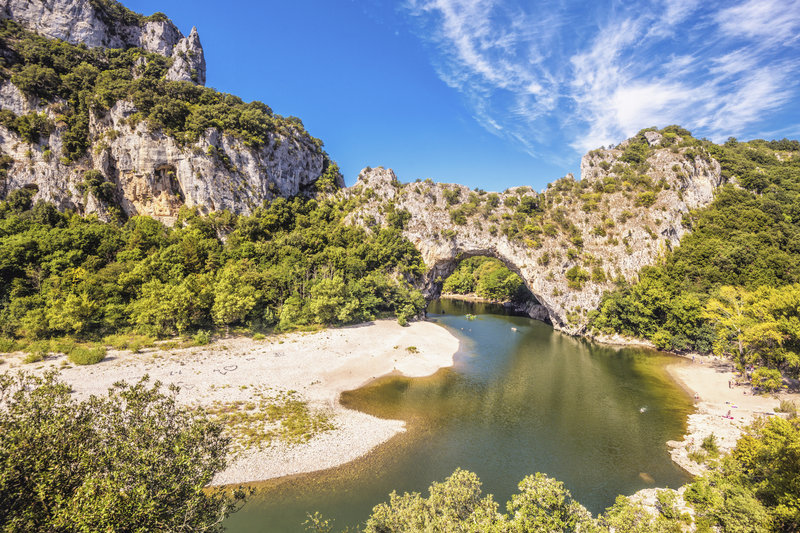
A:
(319, 366)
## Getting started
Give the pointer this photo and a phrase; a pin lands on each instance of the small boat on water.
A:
(513, 329)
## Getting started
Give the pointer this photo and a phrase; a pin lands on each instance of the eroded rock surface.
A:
(88, 22)
(151, 172)
(608, 232)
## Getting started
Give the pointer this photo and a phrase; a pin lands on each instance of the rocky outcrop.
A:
(152, 173)
(94, 24)
(615, 228)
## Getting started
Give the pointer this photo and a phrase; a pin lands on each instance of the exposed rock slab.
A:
(83, 21)
(642, 232)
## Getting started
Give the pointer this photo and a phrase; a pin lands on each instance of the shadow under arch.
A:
(444, 268)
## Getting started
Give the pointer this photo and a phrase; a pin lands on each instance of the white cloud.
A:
(592, 74)
(765, 20)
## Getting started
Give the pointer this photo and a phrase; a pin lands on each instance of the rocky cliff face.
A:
(94, 24)
(151, 172)
(614, 229)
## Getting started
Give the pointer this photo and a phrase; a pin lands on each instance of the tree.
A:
(453, 505)
(132, 460)
(727, 313)
(544, 504)
(234, 297)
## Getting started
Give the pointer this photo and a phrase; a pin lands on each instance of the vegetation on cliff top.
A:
(76, 81)
(731, 286)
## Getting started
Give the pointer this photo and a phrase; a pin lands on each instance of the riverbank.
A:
(723, 408)
(472, 297)
(319, 366)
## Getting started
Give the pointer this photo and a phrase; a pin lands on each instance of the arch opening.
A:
(482, 276)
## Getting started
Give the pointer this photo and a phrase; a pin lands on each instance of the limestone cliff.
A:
(579, 235)
(147, 168)
(108, 24)
(151, 172)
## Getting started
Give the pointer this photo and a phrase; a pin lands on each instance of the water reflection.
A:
(516, 402)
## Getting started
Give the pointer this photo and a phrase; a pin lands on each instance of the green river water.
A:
(516, 402)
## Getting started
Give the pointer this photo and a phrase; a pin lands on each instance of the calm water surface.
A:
(516, 402)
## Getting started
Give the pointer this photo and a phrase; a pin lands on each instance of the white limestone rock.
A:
(79, 21)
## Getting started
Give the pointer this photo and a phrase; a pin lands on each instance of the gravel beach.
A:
(722, 409)
(318, 366)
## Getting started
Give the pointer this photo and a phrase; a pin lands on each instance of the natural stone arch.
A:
(643, 227)
(443, 268)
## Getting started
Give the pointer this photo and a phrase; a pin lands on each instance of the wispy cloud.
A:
(588, 74)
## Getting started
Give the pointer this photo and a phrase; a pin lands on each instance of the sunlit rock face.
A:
(153, 174)
(596, 225)
(86, 22)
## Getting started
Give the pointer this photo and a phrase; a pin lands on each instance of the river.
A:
(521, 398)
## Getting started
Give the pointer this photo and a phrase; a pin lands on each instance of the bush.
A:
(259, 337)
(789, 407)
(201, 338)
(709, 444)
(8, 345)
(87, 355)
(129, 460)
(128, 341)
(576, 277)
(767, 379)
(34, 357)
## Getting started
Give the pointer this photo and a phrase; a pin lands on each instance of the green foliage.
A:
(746, 241)
(487, 277)
(87, 355)
(576, 277)
(201, 338)
(291, 263)
(93, 80)
(453, 505)
(132, 460)
(756, 487)
(95, 182)
(31, 127)
(767, 379)
(709, 444)
(542, 504)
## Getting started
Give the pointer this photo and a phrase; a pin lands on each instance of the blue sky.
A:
(494, 94)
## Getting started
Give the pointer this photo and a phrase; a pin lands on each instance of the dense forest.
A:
(731, 287)
(291, 263)
(487, 277)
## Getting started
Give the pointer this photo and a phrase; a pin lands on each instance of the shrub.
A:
(129, 341)
(8, 345)
(789, 407)
(767, 379)
(201, 338)
(697, 456)
(259, 337)
(87, 355)
(709, 444)
(33, 357)
(64, 346)
(576, 277)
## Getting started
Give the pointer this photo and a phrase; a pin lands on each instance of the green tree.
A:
(132, 460)
(234, 297)
(544, 504)
(453, 505)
